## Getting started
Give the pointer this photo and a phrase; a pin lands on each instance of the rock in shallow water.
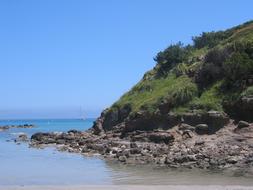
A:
(22, 138)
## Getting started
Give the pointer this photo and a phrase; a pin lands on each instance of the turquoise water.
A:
(47, 125)
(21, 165)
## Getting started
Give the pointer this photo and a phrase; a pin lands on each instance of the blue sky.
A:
(58, 56)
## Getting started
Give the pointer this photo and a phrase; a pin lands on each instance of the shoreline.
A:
(128, 187)
(230, 148)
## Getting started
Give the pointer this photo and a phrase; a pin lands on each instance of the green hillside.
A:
(214, 73)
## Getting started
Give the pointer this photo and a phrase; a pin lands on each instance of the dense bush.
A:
(239, 66)
(208, 74)
(170, 57)
(212, 68)
(217, 56)
(233, 63)
(209, 39)
(246, 47)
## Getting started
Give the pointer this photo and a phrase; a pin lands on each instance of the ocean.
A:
(22, 166)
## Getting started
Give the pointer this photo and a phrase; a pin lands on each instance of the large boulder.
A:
(242, 124)
(216, 120)
(39, 136)
(47, 138)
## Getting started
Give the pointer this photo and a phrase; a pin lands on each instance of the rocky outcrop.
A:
(180, 146)
(144, 121)
(215, 120)
(246, 108)
(241, 109)
(110, 118)
(6, 127)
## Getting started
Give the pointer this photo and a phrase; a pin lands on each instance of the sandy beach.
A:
(126, 187)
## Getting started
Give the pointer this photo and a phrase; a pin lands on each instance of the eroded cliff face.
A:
(145, 122)
(113, 120)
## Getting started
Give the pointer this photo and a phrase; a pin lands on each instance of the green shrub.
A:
(212, 69)
(239, 66)
(243, 46)
(210, 39)
(170, 57)
(217, 56)
(181, 69)
(208, 74)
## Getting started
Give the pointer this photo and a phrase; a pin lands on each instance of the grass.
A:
(210, 99)
(244, 33)
(147, 94)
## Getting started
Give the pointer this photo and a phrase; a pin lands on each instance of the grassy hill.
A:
(214, 73)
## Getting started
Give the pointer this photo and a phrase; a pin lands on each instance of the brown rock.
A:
(202, 129)
(161, 137)
(243, 124)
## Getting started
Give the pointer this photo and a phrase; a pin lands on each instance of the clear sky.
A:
(64, 58)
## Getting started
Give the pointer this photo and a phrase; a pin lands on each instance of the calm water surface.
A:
(21, 165)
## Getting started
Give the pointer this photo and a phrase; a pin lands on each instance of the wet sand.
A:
(130, 187)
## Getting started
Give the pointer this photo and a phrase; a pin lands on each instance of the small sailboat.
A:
(82, 115)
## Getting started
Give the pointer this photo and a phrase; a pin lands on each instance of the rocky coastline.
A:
(181, 146)
(194, 109)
